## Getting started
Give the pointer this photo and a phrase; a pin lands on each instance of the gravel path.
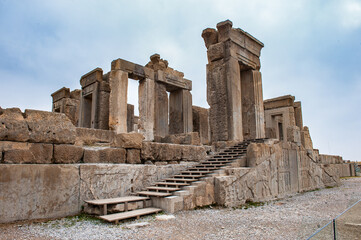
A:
(292, 218)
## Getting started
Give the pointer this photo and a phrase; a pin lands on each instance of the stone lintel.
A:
(283, 101)
(93, 76)
(172, 81)
(134, 70)
(60, 94)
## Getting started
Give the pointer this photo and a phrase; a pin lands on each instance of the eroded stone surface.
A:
(48, 127)
(68, 153)
(38, 191)
(18, 152)
(128, 140)
(104, 155)
(13, 127)
(133, 156)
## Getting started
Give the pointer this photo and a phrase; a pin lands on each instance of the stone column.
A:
(180, 112)
(146, 108)
(298, 114)
(201, 123)
(103, 106)
(252, 105)
(118, 81)
(130, 118)
(161, 110)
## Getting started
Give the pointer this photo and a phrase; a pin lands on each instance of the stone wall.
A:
(41, 191)
(40, 137)
(275, 170)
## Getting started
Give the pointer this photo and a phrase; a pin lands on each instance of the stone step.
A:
(180, 180)
(171, 184)
(167, 189)
(202, 168)
(216, 163)
(188, 176)
(195, 172)
(154, 194)
(131, 214)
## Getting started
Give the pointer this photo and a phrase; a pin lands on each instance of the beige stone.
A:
(104, 155)
(161, 152)
(67, 153)
(37, 191)
(306, 138)
(133, 156)
(283, 101)
(90, 136)
(26, 152)
(193, 153)
(48, 127)
(201, 124)
(183, 138)
(128, 140)
(13, 127)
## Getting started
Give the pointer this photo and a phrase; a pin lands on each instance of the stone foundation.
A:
(42, 191)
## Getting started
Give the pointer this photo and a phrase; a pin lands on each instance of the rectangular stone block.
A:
(130, 118)
(38, 191)
(90, 136)
(133, 156)
(15, 152)
(68, 154)
(49, 127)
(104, 155)
(283, 101)
(193, 153)
(201, 124)
(161, 152)
(191, 138)
(13, 127)
(128, 140)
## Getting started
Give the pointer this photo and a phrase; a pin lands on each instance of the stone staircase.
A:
(168, 193)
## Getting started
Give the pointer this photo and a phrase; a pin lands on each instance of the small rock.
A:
(164, 217)
(137, 225)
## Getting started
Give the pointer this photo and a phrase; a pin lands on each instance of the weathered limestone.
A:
(171, 152)
(146, 108)
(130, 118)
(281, 118)
(38, 191)
(116, 180)
(21, 152)
(277, 169)
(161, 110)
(68, 103)
(191, 138)
(306, 138)
(233, 83)
(89, 101)
(128, 140)
(13, 126)
(133, 156)
(48, 127)
(180, 112)
(90, 136)
(201, 124)
(104, 155)
(298, 114)
(118, 82)
(68, 153)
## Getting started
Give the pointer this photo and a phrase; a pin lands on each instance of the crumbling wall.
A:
(40, 137)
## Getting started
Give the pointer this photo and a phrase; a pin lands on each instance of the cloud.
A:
(350, 14)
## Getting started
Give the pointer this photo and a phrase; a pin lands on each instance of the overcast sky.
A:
(312, 51)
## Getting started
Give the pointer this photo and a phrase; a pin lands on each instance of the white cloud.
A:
(350, 14)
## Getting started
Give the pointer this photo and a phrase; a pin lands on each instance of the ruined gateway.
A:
(173, 156)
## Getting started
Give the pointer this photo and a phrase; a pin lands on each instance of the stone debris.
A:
(165, 217)
(137, 225)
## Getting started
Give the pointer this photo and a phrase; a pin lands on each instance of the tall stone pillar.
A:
(118, 82)
(161, 110)
(146, 108)
(252, 105)
(233, 57)
(298, 114)
(180, 112)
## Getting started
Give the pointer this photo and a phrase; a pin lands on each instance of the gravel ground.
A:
(296, 217)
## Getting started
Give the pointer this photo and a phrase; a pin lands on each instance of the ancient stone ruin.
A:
(92, 152)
